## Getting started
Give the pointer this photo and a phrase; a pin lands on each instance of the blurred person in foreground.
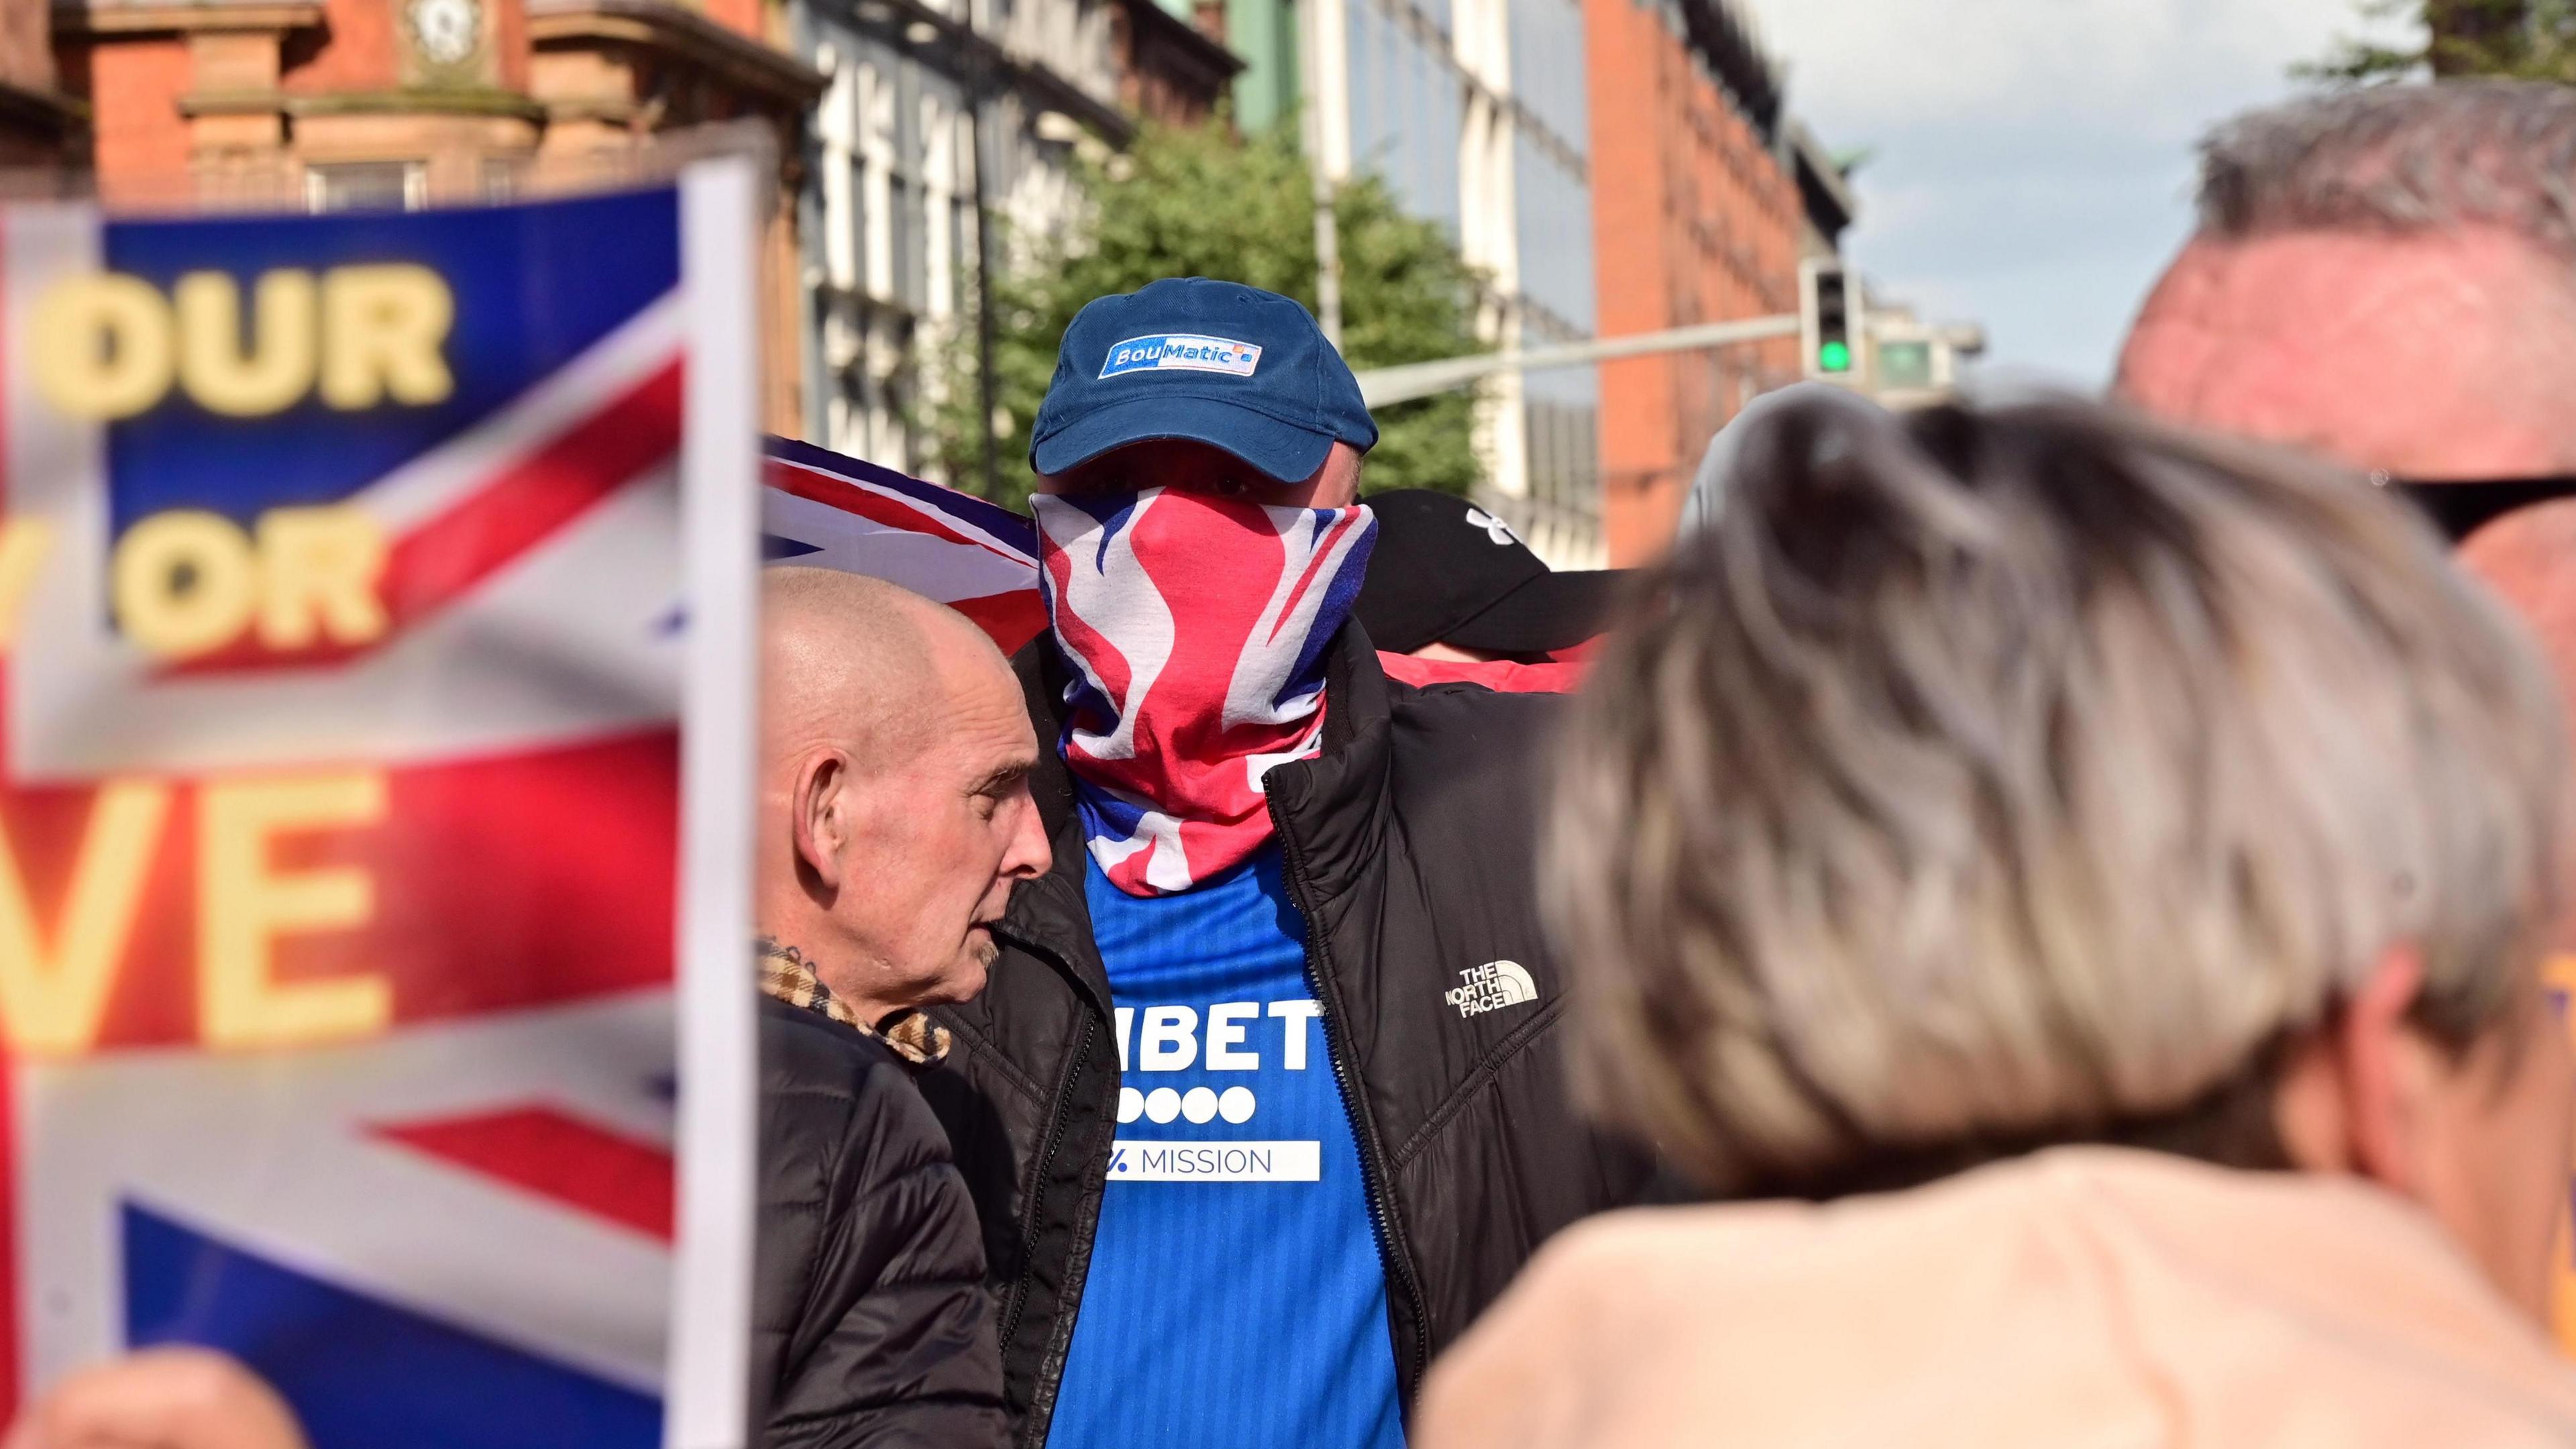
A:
(2388, 277)
(1453, 593)
(2099, 879)
(1264, 1103)
(894, 819)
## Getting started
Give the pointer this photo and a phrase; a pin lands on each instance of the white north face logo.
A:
(1491, 987)
(1502, 535)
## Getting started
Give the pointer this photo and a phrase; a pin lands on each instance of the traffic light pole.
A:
(1382, 386)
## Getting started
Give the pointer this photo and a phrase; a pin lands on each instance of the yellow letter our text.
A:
(52, 1001)
(243, 906)
(382, 330)
(24, 544)
(279, 367)
(110, 345)
(101, 346)
(187, 581)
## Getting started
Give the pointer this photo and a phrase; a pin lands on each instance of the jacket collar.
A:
(1331, 810)
(788, 976)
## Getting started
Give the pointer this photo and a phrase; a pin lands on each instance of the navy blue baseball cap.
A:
(1214, 362)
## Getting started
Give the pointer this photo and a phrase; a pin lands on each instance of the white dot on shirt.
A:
(1236, 1105)
(1162, 1104)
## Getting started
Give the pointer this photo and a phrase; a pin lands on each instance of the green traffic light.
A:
(1834, 356)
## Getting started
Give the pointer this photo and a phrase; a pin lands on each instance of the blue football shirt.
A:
(1236, 1298)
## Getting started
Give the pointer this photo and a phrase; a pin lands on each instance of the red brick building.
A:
(1697, 216)
(337, 104)
(39, 125)
(1171, 70)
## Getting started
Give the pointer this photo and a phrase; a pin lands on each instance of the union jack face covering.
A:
(1196, 627)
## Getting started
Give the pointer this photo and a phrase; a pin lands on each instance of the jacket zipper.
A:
(1037, 1203)
(1373, 1174)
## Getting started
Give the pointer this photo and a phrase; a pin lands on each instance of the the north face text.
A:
(1491, 987)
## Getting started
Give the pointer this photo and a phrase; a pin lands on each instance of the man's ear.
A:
(820, 809)
(2352, 1095)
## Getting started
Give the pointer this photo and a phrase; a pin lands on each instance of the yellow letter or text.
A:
(285, 342)
(51, 1002)
(318, 569)
(24, 543)
(243, 906)
(183, 582)
(382, 327)
(100, 346)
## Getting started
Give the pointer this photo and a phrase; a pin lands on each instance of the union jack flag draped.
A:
(1283, 583)
(827, 510)
(1155, 597)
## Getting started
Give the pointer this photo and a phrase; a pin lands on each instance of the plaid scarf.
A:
(1196, 628)
(785, 974)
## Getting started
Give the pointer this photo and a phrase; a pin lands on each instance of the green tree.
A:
(1204, 202)
(2526, 39)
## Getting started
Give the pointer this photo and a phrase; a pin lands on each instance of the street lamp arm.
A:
(1382, 386)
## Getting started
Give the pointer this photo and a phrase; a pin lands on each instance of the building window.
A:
(501, 180)
(367, 186)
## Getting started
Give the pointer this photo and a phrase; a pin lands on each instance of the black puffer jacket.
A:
(870, 1321)
(1410, 853)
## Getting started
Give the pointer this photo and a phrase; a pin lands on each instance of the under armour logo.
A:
(1495, 529)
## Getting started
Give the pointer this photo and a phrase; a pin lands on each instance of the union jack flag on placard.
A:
(380, 590)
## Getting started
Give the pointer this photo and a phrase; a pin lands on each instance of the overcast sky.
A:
(2030, 161)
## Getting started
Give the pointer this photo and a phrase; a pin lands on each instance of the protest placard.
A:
(374, 767)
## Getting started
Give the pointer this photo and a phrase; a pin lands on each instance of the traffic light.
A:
(1830, 328)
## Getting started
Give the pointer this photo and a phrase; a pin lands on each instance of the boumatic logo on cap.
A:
(1184, 352)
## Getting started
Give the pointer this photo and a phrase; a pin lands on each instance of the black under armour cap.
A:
(1446, 571)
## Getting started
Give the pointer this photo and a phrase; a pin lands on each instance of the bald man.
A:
(894, 818)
